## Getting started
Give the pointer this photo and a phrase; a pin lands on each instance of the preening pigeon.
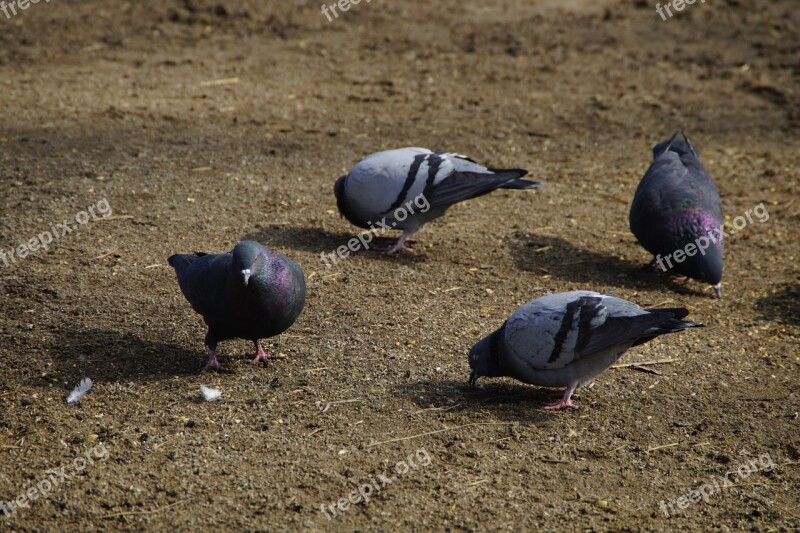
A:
(250, 293)
(676, 213)
(408, 187)
(568, 339)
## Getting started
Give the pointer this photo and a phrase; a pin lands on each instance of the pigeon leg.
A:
(400, 244)
(392, 240)
(565, 402)
(212, 363)
(260, 354)
(560, 392)
(718, 290)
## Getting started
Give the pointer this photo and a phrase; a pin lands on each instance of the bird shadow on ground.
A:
(782, 305)
(689, 287)
(319, 241)
(561, 259)
(314, 240)
(112, 355)
(508, 401)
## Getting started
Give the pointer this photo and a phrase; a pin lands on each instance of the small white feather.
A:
(80, 391)
(210, 394)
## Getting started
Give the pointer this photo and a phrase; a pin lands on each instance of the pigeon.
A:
(408, 187)
(249, 293)
(676, 213)
(568, 339)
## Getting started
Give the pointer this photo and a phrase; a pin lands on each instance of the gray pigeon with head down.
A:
(408, 187)
(568, 339)
(249, 293)
(676, 213)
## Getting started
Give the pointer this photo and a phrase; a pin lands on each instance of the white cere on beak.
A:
(246, 276)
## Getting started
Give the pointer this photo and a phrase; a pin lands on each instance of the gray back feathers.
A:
(569, 338)
(387, 181)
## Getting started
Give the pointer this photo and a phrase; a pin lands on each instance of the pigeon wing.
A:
(461, 179)
(555, 331)
(202, 279)
(544, 333)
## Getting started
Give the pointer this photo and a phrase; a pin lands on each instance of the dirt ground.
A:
(203, 123)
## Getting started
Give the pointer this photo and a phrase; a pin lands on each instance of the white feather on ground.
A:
(210, 394)
(80, 391)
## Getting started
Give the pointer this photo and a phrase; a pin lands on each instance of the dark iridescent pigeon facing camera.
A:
(249, 293)
(677, 214)
(408, 187)
(568, 339)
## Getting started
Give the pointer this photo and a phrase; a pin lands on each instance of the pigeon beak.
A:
(473, 377)
(718, 290)
(246, 276)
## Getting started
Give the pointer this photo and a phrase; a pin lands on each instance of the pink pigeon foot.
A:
(260, 354)
(400, 245)
(562, 404)
(565, 402)
(398, 248)
(212, 363)
(717, 290)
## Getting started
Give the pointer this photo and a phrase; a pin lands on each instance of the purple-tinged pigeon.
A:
(249, 293)
(676, 213)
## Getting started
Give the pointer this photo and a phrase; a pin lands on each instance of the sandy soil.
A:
(203, 123)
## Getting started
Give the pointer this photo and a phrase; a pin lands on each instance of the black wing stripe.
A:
(590, 310)
(412, 174)
(563, 331)
(433, 168)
